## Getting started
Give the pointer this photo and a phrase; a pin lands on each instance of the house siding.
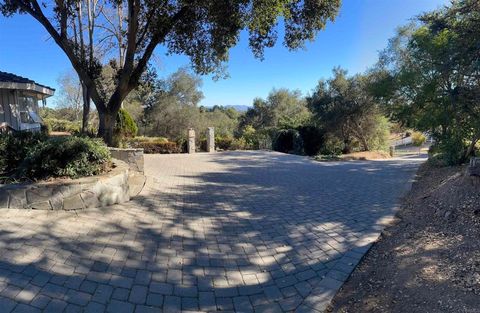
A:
(8, 107)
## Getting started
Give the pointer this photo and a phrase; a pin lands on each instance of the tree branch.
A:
(62, 12)
(36, 12)
(156, 39)
(133, 10)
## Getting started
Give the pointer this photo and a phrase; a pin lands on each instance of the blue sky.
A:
(353, 41)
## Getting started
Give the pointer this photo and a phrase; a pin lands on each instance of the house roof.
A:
(12, 81)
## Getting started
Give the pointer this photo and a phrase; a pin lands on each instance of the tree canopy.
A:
(283, 108)
(429, 77)
(202, 30)
(173, 108)
(344, 107)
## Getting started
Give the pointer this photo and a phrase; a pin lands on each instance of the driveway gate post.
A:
(191, 140)
(210, 139)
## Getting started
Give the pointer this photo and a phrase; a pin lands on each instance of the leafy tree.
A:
(343, 106)
(418, 139)
(58, 113)
(249, 135)
(429, 77)
(282, 109)
(224, 120)
(184, 87)
(202, 30)
(172, 108)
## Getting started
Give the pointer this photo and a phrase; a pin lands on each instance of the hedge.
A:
(157, 147)
(59, 125)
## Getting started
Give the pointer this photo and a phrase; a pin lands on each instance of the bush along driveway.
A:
(236, 231)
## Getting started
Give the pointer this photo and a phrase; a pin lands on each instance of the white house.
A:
(19, 102)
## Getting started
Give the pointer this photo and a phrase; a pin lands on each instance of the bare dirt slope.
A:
(429, 260)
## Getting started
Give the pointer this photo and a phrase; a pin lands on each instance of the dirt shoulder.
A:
(429, 260)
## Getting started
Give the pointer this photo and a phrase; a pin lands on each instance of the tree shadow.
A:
(245, 231)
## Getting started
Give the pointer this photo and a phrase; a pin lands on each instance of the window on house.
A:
(25, 118)
(27, 102)
(35, 117)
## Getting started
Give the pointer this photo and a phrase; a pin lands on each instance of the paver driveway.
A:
(237, 231)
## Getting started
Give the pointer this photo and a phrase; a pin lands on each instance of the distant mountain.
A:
(240, 108)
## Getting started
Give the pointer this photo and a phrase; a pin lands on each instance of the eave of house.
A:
(42, 91)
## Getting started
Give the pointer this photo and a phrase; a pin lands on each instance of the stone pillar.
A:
(210, 139)
(191, 140)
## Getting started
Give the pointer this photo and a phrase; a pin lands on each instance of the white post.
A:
(210, 139)
(191, 140)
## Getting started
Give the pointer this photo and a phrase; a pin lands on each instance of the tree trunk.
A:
(86, 108)
(346, 146)
(106, 126)
(107, 114)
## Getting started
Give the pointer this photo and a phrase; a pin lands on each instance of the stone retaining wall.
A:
(133, 157)
(70, 194)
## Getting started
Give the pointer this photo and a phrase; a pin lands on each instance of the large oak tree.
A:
(203, 30)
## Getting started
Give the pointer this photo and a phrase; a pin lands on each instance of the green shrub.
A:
(201, 144)
(239, 144)
(126, 124)
(255, 139)
(332, 146)
(146, 143)
(230, 143)
(313, 139)
(288, 141)
(453, 150)
(158, 147)
(45, 129)
(264, 139)
(182, 144)
(447, 152)
(418, 139)
(379, 135)
(65, 157)
(59, 125)
(437, 160)
(223, 142)
(125, 127)
(14, 148)
(250, 137)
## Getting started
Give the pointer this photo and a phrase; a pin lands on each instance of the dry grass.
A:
(59, 134)
(356, 156)
(366, 155)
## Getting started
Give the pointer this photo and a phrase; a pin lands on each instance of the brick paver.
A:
(237, 231)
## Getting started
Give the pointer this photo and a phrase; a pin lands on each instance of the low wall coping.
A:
(126, 149)
(70, 194)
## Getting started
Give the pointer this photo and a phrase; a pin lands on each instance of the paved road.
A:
(237, 231)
